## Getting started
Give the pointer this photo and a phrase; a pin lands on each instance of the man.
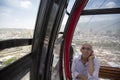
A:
(86, 66)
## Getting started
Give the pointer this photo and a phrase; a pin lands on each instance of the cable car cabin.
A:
(61, 26)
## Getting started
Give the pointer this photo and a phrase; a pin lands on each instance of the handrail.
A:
(17, 69)
(109, 72)
(101, 11)
(14, 43)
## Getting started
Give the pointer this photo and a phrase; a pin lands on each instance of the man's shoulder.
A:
(76, 58)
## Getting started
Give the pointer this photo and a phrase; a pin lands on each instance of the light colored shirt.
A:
(79, 68)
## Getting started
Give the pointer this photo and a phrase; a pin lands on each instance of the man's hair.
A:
(87, 44)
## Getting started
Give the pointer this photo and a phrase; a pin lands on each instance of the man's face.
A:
(86, 50)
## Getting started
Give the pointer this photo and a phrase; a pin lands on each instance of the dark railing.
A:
(101, 11)
(20, 67)
(14, 43)
(17, 69)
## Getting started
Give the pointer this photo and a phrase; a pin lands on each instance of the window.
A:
(17, 21)
(70, 5)
(8, 56)
(17, 18)
(56, 59)
(103, 32)
(102, 4)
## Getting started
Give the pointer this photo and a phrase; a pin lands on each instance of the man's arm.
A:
(91, 65)
(93, 70)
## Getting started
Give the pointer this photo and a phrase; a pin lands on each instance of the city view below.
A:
(98, 24)
(10, 55)
(106, 45)
(105, 41)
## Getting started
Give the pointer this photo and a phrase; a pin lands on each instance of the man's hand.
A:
(83, 77)
(91, 57)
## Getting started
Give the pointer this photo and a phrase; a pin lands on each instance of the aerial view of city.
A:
(105, 41)
(101, 29)
(9, 55)
(106, 44)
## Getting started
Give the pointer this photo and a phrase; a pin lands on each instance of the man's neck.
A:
(84, 60)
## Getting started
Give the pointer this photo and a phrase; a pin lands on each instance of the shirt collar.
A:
(80, 59)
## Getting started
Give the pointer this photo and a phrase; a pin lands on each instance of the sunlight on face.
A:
(86, 50)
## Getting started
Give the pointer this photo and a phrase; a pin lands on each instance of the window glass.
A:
(8, 56)
(26, 77)
(56, 58)
(103, 32)
(70, 5)
(17, 18)
(17, 21)
(101, 4)
(64, 23)
(10, 33)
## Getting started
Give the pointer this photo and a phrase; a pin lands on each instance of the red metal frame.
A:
(71, 27)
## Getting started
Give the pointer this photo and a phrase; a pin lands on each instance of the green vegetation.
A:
(7, 62)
